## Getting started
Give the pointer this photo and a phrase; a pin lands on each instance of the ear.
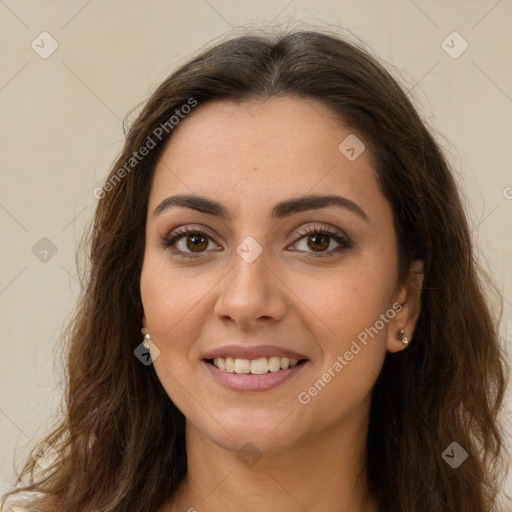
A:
(409, 297)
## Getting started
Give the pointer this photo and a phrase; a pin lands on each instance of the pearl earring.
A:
(146, 341)
(402, 337)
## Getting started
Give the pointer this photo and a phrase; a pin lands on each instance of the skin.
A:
(249, 156)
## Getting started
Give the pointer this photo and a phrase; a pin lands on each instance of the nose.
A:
(251, 293)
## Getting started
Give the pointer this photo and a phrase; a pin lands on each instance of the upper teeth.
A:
(255, 366)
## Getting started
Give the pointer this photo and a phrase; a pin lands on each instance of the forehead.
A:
(255, 153)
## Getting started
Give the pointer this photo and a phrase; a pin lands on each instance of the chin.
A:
(267, 433)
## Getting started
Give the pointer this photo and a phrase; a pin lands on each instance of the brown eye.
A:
(319, 239)
(195, 242)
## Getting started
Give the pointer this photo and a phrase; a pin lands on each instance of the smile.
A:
(253, 375)
(258, 366)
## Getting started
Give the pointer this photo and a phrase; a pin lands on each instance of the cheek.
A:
(351, 298)
(352, 340)
(170, 300)
(352, 315)
(170, 305)
(168, 292)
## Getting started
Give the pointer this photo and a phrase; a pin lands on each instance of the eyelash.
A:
(344, 243)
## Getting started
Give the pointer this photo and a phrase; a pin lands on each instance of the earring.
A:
(146, 341)
(402, 337)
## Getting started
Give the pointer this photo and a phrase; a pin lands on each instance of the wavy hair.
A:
(120, 441)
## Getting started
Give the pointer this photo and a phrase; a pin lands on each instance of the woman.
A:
(283, 310)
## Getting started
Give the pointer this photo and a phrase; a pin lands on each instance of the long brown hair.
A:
(120, 445)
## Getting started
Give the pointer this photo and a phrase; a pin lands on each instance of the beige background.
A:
(62, 127)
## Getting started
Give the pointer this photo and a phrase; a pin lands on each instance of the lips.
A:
(250, 383)
(253, 368)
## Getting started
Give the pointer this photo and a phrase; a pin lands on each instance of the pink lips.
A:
(254, 352)
(247, 382)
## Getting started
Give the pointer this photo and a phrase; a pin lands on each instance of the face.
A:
(274, 276)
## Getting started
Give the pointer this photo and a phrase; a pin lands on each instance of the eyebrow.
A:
(279, 211)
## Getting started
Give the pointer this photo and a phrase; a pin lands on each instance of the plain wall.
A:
(61, 128)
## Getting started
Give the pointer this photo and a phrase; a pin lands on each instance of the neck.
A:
(323, 472)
